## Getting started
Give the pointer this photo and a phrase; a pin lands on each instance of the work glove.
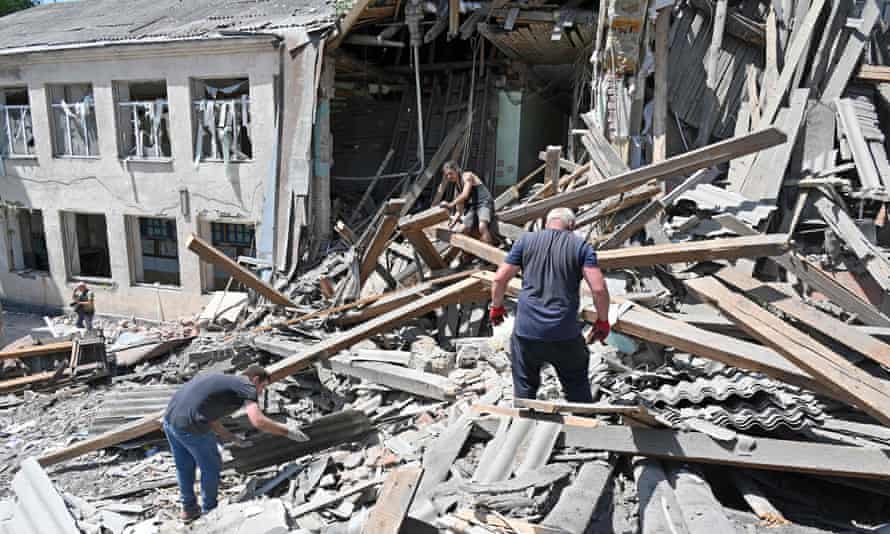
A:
(601, 330)
(496, 315)
(294, 433)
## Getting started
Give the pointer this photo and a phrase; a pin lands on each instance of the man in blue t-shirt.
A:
(547, 330)
(193, 416)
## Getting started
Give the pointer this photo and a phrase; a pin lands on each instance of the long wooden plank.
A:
(849, 57)
(845, 227)
(394, 501)
(424, 219)
(660, 111)
(538, 416)
(576, 407)
(767, 453)
(146, 425)
(815, 277)
(210, 254)
(414, 381)
(514, 192)
(795, 53)
(790, 304)
(37, 350)
(681, 164)
(425, 249)
(709, 115)
(334, 344)
(834, 371)
(652, 326)
(384, 231)
(709, 250)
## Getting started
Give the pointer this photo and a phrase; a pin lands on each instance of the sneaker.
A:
(187, 516)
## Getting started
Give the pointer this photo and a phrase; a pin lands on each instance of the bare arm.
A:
(599, 290)
(501, 278)
(221, 431)
(464, 195)
(259, 420)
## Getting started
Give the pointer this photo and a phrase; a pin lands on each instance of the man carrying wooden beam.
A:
(547, 330)
(474, 201)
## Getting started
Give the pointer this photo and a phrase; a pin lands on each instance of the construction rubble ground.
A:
(745, 386)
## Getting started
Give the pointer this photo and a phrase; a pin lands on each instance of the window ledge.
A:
(223, 161)
(96, 281)
(13, 157)
(76, 157)
(164, 287)
(30, 273)
(146, 160)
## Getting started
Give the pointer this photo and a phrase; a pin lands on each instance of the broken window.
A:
(233, 240)
(154, 250)
(73, 120)
(86, 245)
(143, 120)
(27, 240)
(16, 130)
(222, 119)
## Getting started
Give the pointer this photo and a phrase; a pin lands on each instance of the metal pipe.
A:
(421, 153)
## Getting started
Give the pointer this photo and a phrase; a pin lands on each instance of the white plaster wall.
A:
(107, 185)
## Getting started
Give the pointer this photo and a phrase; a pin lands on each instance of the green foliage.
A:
(8, 6)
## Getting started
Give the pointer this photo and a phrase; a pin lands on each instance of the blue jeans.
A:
(84, 319)
(569, 358)
(190, 450)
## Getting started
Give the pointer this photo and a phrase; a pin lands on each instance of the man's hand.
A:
(445, 204)
(496, 315)
(601, 330)
(294, 433)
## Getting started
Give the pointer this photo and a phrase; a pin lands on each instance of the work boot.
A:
(187, 516)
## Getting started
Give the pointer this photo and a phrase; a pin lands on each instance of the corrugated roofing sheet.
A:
(96, 21)
(123, 407)
(38, 508)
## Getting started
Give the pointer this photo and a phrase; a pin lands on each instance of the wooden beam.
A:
(424, 219)
(551, 167)
(538, 416)
(707, 250)
(37, 350)
(384, 231)
(795, 53)
(660, 112)
(652, 326)
(766, 453)
(874, 73)
(845, 228)
(514, 192)
(547, 189)
(146, 425)
(815, 277)
(576, 407)
(394, 501)
(834, 371)
(210, 254)
(710, 103)
(843, 69)
(335, 344)
(790, 304)
(347, 22)
(681, 164)
(425, 249)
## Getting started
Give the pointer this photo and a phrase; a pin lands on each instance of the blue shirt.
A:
(207, 398)
(552, 263)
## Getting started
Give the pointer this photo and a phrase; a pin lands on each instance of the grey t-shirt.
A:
(207, 398)
(552, 264)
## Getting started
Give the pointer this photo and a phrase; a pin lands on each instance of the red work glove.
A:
(496, 315)
(601, 330)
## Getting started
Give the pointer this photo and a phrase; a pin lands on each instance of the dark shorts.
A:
(570, 358)
(473, 216)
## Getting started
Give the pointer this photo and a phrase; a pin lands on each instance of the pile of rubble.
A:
(744, 384)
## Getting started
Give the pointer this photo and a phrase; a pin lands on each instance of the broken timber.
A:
(682, 164)
(414, 381)
(412, 228)
(210, 254)
(63, 348)
(394, 501)
(382, 234)
(709, 250)
(832, 370)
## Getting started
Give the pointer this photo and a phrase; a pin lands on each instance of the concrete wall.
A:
(108, 185)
